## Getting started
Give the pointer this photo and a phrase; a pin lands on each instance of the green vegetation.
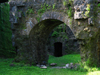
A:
(22, 69)
(53, 6)
(44, 8)
(88, 10)
(30, 11)
(64, 3)
(6, 49)
(61, 61)
(69, 12)
(57, 32)
(96, 8)
(99, 5)
(68, 5)
(88, 7)
(70, 1)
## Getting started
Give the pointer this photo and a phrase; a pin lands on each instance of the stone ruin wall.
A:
(83, 21)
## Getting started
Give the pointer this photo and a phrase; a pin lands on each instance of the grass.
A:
(71, 58)
(20, 69)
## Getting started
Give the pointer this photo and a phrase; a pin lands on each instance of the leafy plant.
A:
(55, 34)
(88, 7)
(99, 5)
(44, 8)
(88, 10)
(64, 3)
(87, 13)
(70, 1)
(30, 11)
(69, 12)
(54, 6)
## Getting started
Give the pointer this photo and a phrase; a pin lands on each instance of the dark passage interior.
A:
(2, 1)
(58, 49)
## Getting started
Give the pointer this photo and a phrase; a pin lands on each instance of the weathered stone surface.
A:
(83, 8)
(71, 66)
(53, 64)
(43, 67)
(32, 29)
(98, 0)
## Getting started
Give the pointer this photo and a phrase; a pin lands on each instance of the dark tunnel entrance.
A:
(58, 49)
(45, 41)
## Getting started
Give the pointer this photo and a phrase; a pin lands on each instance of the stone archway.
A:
(38, 38)
(39, 33)
(29, 34)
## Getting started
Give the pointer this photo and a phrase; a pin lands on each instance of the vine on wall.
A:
(6, 49)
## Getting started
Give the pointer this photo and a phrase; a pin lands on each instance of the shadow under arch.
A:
(38, 39)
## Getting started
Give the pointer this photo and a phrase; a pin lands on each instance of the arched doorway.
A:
(38, 38)
(58, 49)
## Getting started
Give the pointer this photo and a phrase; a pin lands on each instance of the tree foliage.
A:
(6, 48)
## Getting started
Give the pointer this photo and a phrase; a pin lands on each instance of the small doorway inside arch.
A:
(58, 49)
